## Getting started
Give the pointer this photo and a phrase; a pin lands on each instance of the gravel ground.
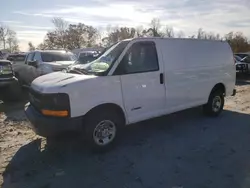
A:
(182, 150)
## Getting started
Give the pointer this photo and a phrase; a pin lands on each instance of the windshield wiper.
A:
(79, 71)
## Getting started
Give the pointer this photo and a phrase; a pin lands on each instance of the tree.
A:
(169, 32)
(90, 35)
(238, 42)
(140, 32)
(69, 36)
(200, 34)
(60, 31)
(119, 34)
(31, 46)
(155, 27)
(180, 34)
(81, 35)
(15, 46)
(12, 41)
(59, 24)
(4, 31)
(207, 35)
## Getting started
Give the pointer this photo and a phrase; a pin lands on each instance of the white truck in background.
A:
(136, 79)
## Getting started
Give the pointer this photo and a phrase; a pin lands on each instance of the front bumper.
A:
(50, 126)
(6, 81)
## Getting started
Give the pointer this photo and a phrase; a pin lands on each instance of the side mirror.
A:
(33, 63)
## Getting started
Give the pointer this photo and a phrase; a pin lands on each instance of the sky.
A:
(32, 19)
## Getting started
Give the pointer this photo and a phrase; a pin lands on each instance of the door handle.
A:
(161, 78)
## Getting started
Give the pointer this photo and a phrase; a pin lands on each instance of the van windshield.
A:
(105, 61)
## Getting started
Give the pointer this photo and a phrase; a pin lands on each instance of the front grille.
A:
(5, 76)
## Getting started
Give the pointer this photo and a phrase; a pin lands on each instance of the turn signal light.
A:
(63, 113)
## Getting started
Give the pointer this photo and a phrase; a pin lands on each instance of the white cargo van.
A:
(134, 80)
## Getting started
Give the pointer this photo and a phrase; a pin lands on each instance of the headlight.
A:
(6, 69)
(56, 104)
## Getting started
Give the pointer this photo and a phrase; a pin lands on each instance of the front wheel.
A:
(102, 129)
(215, 103)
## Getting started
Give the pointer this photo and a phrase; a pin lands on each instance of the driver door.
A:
(141, 76)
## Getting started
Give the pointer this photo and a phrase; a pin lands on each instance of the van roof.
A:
(189, 39)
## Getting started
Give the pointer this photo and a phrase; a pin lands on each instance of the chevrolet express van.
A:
(134, 80)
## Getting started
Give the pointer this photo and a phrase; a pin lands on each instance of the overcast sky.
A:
(32, 19)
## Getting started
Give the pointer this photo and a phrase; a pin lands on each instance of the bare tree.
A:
(31, 46)
(4, 31)
(41, 46)
(155, 27)
(169, 32)
(60, 24)
(15, 46)
(200, 34)
(180, 34)
(12, 40)
(139, 31)
(218, 37)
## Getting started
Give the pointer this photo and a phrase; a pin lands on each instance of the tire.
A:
(215, 103)
(97, 120)
(13, 92)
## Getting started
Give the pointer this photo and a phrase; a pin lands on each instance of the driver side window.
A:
(36, 57)
(29, 57)
(141, 57)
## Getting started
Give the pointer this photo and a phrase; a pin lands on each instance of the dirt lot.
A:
(184, 150)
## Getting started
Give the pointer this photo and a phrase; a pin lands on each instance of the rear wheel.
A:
(102, 129)
(215, 103)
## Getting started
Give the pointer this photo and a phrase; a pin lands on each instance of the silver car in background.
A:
(42, 62)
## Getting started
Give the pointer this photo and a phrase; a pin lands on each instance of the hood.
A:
(51, 83)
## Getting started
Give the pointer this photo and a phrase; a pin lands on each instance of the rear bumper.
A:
(50, 126)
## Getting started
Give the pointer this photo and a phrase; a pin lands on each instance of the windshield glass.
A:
(16, 57)
(105, 61)
(57, 56)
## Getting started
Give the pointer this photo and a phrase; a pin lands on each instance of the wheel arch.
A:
(218, 86)
(109, 106)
